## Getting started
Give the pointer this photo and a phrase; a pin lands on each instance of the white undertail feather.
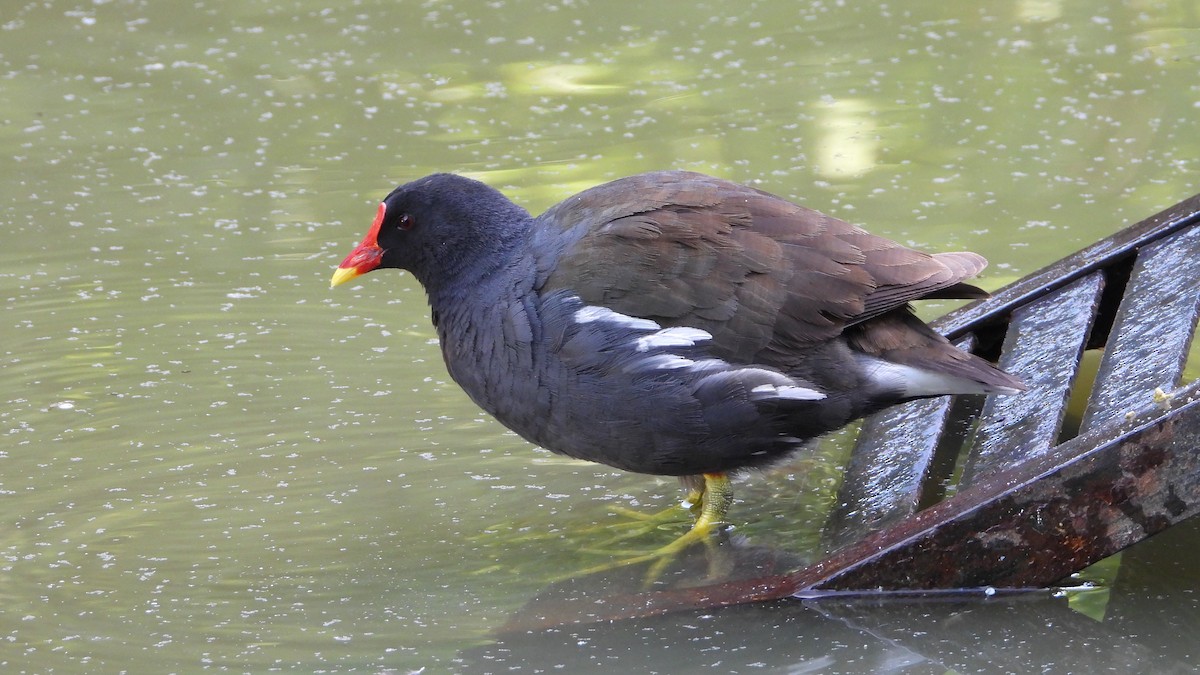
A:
(915, 382)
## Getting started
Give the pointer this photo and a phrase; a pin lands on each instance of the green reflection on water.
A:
(209, 460)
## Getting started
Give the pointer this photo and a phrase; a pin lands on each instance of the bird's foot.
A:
(708, 506)
(636, 524)
(617, 535)
(702, 531)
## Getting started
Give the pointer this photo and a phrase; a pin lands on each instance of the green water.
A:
(210, 461)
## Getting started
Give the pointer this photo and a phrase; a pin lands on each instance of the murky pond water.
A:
(209, 460)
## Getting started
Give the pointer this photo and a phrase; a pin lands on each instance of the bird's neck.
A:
(473, 299)
(482, 258)
(483, 308)
(480, 329)
(471, 289)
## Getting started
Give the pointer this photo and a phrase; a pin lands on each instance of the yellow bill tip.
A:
(342, 275)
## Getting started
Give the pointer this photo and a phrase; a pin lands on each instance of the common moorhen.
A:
(672, 323)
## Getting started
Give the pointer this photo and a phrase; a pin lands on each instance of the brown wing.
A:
(750, 268)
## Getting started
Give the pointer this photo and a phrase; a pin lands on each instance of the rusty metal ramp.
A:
(996, 493)
(1041, 491)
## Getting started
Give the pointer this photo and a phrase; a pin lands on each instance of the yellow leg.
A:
(713, 501)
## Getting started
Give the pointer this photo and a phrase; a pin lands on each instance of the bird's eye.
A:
(406, 222)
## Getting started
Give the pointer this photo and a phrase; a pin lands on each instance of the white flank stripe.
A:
(799, 393)
(593, 313)
(788, 391)
(708, 365)
(680, 336)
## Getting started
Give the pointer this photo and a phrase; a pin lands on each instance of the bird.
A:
(673, 323)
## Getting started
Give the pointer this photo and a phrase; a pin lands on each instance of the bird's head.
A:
(438, 228)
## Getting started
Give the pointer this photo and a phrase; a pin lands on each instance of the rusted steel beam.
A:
(1035, 523)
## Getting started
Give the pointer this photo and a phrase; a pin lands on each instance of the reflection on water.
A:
(855, 635)
(208, 460)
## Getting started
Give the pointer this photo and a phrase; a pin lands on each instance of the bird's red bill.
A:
(365, 257)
